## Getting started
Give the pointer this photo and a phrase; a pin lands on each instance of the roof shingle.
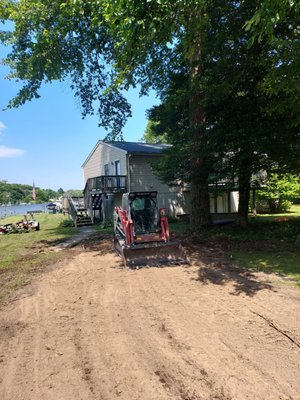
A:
(138, 148)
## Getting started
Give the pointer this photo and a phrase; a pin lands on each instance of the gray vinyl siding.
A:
(93, 167)
(104, 154)
(142, 178)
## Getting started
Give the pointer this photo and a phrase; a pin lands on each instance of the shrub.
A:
(278, 192)
(66, 223)
(108, 223)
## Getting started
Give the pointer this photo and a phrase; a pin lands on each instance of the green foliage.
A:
(270, 228)
(21, 258)
(245, 131)
(246, 128)
(41, 196)
(170, 121)
(15, 193)
(107, 224)
(284, 229)
(64, 40)
(66, 223)
(284, 263)
(267, 245)
(277, 22)
(228, 108)
(75, 193)
(279, 191)
(151, 136)
(270, 15)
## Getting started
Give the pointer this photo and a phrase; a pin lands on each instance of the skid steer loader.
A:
(141, 233)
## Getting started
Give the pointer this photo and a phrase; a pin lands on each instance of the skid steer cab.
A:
(141, 232)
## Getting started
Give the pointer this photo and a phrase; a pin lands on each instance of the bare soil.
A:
(90, 329)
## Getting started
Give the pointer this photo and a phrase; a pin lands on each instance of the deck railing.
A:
(108, 183)
(78, 201)
(73, 211)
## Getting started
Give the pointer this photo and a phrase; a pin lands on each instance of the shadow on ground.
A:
(216, 268)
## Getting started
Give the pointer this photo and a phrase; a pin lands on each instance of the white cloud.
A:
(6, 152)
(2, 127)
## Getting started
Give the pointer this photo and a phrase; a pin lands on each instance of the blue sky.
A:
(46, 140)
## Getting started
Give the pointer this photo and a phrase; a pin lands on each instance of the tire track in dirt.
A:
(93, 330)
(159, 336)
(269, 381)
(121, 372)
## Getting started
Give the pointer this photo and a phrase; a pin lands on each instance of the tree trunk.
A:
(200, 215)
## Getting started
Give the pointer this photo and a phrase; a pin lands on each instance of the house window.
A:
(106, 169)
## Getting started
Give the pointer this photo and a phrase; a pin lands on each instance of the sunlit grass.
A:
(284, 263)
(275, 234)
(18, 254)
(15, 245)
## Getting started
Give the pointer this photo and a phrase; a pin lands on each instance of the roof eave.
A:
(91, 153)
(95, 147)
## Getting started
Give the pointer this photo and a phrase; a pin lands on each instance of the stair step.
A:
(81, 222)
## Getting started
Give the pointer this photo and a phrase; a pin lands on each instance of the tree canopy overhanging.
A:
(228, 84)
(252, 114)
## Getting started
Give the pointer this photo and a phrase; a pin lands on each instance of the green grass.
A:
(13, 246)
(278, 230)
(258, 230)
(262, 226)
(105, 227)
(283, 227)
(268, 244)
(22, 253)
(294, 212)
(284, 263)
(179, 227)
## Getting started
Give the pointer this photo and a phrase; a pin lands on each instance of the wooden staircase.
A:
(83, 218)
(78, 212)
(97, 201)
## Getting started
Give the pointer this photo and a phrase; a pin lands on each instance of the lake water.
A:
(22, 209)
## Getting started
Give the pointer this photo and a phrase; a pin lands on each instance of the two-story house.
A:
(113, 168)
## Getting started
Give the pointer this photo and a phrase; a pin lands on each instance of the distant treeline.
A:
(16, 193)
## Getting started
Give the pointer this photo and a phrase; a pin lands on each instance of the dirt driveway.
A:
(90, 329)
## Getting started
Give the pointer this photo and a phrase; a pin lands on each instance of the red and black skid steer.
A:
(141, 232)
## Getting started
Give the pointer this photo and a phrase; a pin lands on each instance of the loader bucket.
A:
(156, 254)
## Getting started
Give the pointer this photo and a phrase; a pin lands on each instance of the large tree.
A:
(104, 47)
(250, 128)
(231, 123)
(64, 40)
(247, 128)
(154, 40)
